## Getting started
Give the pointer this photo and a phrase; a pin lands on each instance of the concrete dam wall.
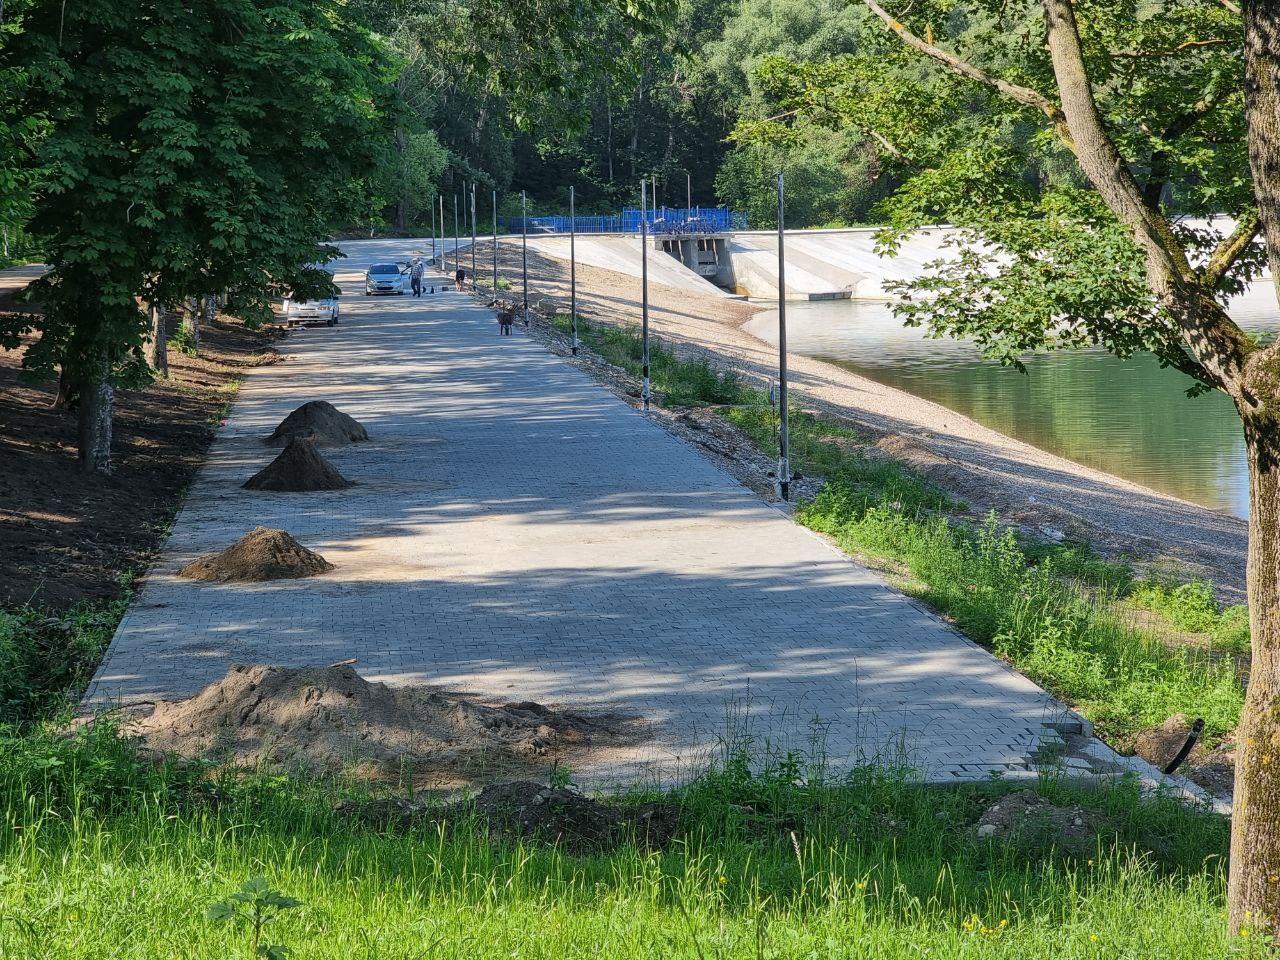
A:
(821, 264)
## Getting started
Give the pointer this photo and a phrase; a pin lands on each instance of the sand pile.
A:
(300, 467)
(261, 554)
(327, 719)
(320, 422)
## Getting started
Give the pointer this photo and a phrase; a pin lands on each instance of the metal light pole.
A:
(644, 302)
(473, 234)
(441, 219)
(495, 245)
(573, 271)
(688, 195)
(784, 451)
(524, 251)
(457, 260)
(433, 231)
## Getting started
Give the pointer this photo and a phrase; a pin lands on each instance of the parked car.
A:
(300, 311)
(384, 278)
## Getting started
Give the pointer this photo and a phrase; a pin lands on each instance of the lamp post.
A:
(784, 452)
(644, 301)
(457, 260)
(495, 245)
(433, 231)
(473, 235)
(573, 272)
(441, 220)
(524, 251)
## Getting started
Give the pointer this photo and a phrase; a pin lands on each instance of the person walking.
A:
(416, 273)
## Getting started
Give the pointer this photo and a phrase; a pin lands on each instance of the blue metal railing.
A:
(664, 220)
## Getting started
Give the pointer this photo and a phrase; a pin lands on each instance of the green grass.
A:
(680, 382)
(111, 856)
(1194, 608)
(1034, 614)
(46, 657)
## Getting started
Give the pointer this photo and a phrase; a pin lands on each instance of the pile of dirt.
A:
(532, 811)
(320, 422)
(261, 554)
(1159, 745)
(1027, 817)
(567, 818)
(299, 468)
(1213, 769)
(330, 719)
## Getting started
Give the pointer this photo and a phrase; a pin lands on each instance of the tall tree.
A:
(1065, 141)
(184, 151)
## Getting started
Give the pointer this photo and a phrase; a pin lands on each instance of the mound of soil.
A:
(320, 422)
(331, 719)
(1161, 744)
(533, 811)
(1026, 816)
(565, 817)
(299, 468)
(1214, 769)
(261, 554)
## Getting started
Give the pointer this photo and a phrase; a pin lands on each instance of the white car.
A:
(300, 311)
(384, 278)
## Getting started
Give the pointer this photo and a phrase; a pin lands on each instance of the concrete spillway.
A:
(622, 254)
(829, 264)
(821, 264)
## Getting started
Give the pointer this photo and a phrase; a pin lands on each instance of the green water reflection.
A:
(1128, 417)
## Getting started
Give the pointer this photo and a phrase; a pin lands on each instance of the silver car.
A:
(300, 311)
(384, 278)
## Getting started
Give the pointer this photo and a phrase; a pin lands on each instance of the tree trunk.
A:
(65, 398)
(95, 408)
(191, 318)
(1254, 893)
(1253, 901)
(158, 342)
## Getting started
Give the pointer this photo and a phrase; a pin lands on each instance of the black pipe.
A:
(1197, 728)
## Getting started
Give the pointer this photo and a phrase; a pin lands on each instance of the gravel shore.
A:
(1043, 493)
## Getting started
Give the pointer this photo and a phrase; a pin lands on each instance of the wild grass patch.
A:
(681, 382)
(1194, 608)
(46, 657)
(110, 854)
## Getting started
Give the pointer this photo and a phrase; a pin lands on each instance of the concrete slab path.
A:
(517, 531)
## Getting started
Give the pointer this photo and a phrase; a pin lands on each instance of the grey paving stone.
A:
(517, 531)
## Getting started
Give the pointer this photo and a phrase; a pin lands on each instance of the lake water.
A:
(1128, 417)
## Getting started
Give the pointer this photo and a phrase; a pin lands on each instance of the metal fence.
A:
(663, 220)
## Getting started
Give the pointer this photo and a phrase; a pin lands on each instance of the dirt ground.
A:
(67, 537)
(1048, 497)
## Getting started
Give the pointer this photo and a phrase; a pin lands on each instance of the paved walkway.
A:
(520, 532)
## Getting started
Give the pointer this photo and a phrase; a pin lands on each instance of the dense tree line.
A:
(155, 154)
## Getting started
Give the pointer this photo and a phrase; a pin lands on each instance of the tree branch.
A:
(1230, 250)
(1158, 172)
(1212, 338)
(1229, 5)
(1023, 95)
(1158, 54)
